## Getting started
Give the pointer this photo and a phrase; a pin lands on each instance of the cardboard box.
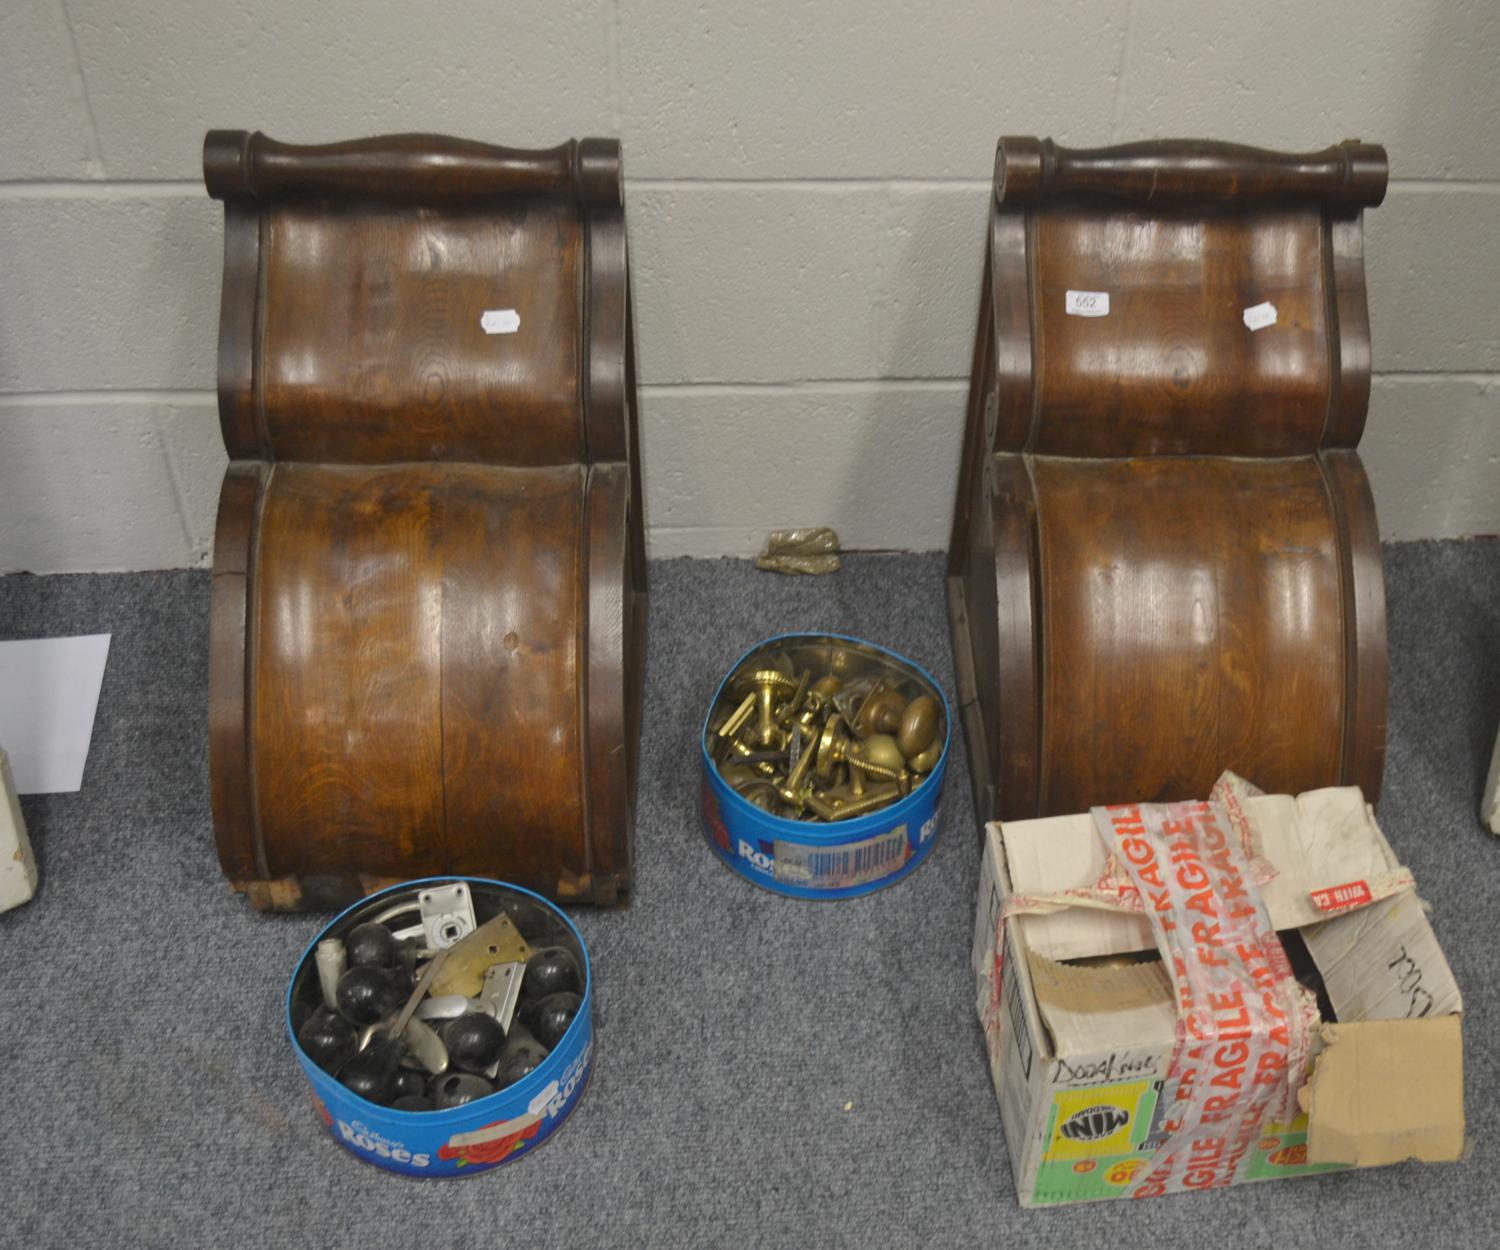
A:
(17, 863)
(1087, 977)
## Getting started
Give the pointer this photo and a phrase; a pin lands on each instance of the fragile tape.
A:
(1244, 1024)
(1116, 890)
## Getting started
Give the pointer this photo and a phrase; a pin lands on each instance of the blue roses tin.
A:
(498, 1127)
(785, 762)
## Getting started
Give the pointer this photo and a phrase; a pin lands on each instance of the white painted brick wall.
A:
(46, 131)
(807, 191)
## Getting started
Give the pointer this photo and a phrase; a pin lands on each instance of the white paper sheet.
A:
(49, 691)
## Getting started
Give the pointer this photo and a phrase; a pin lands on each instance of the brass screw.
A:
(901, 777)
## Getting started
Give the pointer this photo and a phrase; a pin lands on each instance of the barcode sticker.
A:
(839, 867)
(1087, 304)
(1259, 316)
(500, 321)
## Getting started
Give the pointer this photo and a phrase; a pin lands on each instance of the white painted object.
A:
(1259, 316)
(17, 863)
(500, 321)
(49, 692)
(1086, 304)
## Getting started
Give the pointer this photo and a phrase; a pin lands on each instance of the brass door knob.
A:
(927, 760)
(919, 726)
(767, 684)
(880, 712)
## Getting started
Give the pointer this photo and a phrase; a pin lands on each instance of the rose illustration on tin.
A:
(493, 1142)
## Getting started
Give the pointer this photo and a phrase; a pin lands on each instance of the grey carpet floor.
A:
(769, 1072)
